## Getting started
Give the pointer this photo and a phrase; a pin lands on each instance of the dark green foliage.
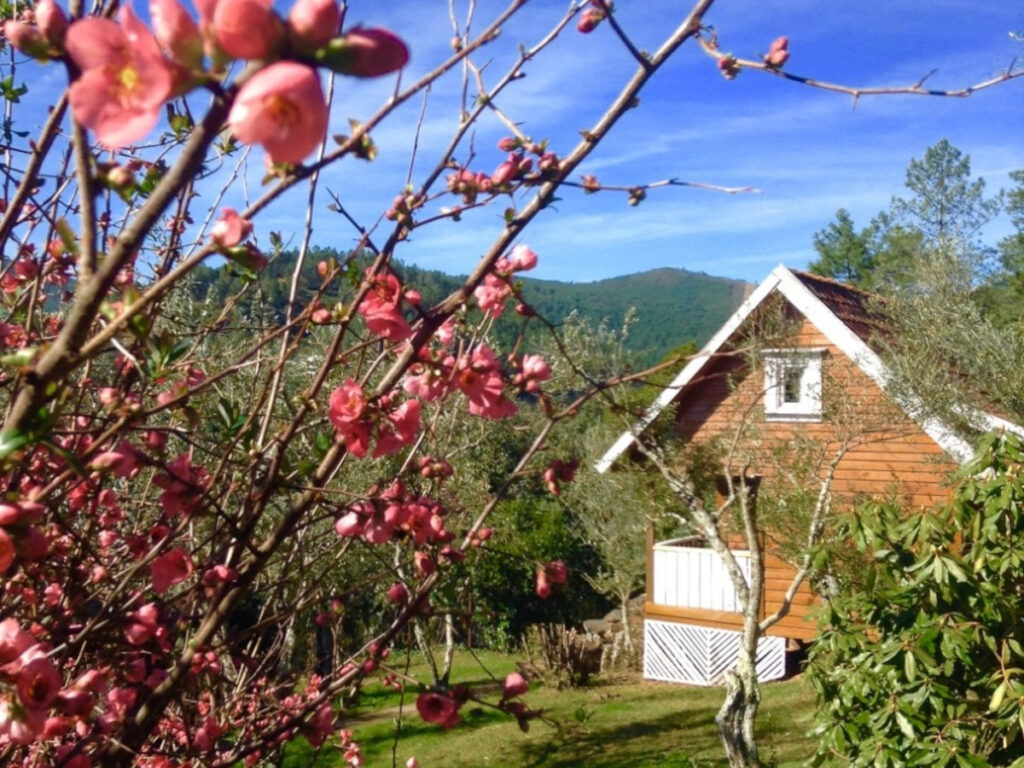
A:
(1003, 296)
(672, 305)
(843, 252)
(924, 665)
(942, 217)
(531, 531)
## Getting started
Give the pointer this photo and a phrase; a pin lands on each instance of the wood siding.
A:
(887, 455)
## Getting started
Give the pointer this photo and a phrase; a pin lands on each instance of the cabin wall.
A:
(889, 453)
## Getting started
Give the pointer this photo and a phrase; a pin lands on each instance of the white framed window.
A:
(792, 384)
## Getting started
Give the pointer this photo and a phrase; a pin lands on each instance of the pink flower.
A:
(491, 294)
(125, 79)
(28, 39)
(246, 29)
(170, 569)
(208, 733)
(145, 624)
(122, 461)
(14, 640)
(177, 32)
(314, 23)
(522, 258)
(320, 726)
(281, 107)
(38, 682)
(424, 563)
(381, 308)
(21, 726)
(405, 424)
(183, 485)
(534, 370)
(438, 708)
(346, 406)
(230, 229)
(349, 524)
(515, 685)
(479, 378)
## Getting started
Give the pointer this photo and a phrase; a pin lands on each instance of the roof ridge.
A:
(801, 273)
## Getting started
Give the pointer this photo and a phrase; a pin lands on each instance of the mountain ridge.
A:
(672, 305)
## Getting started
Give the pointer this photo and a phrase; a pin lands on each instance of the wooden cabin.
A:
(815, 380)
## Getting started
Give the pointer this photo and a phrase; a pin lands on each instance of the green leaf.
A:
(11, 441)
(910, 665)
(905, 726)
(997, 697)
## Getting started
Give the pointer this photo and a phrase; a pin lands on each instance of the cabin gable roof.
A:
(847, 318)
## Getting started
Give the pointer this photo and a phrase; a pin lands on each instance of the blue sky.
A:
(808, 151)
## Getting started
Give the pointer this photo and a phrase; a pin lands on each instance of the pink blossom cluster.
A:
(516, 167)
(357, 420)
(381, 307)
(34, 704)
(559, 472)
(19, 536)
(477, 374)
(554, 572)
(496, 288)
(129, 72)
(396, 512)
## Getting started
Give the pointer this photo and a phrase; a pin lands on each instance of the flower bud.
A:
(52, 22)
(177, 32)
(364, 53)
(27, 39)
(777, 53)
(589, 20)
(313, 23)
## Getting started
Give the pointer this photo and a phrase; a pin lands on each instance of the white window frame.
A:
(807, 406)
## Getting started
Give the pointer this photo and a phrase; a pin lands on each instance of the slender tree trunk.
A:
(449, 647)
(627, 633)
(738, 714)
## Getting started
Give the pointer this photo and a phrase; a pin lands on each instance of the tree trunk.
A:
(738, 713)
(627, 633)
(449, 648)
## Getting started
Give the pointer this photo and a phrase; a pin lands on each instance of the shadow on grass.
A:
(624, 746)
(370, 700)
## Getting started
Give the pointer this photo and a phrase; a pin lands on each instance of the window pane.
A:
(792, 375)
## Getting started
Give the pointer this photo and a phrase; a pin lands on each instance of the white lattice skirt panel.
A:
(685, 653)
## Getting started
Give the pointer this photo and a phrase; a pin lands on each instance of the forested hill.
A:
(672, 306)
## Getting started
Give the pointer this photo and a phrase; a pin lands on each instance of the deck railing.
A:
(687, 575)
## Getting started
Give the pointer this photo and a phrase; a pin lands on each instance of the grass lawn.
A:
(624, 722)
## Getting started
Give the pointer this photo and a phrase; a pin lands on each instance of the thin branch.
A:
(710, 47)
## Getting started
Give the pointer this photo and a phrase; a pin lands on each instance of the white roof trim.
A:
(839, 334)
(690, 370)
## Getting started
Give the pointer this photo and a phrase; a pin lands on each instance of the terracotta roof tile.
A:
(861, 311)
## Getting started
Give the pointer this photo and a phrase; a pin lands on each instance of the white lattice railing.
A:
(688, 576)
(683, 653)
